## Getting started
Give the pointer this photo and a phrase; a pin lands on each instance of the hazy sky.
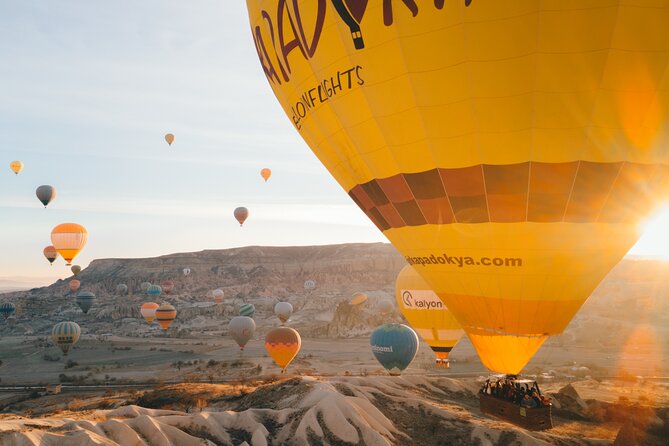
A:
(88, 88)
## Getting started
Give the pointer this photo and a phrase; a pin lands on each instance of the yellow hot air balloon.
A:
(169, 138)
(283, 344)
(16, 166)
(358, 298)
(507, 149)
(69, 239)
(266, 173)
(427, 314)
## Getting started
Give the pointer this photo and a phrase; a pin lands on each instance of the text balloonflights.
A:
(339, 82)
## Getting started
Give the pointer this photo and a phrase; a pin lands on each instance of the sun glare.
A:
(654, 241)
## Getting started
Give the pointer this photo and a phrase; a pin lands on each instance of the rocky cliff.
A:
(259, 275)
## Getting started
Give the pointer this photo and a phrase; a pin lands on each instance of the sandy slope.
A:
(379, 410)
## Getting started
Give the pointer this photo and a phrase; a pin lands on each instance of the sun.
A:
(655, 239)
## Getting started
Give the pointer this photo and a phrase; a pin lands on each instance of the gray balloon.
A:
(45, 194)
(121, 288)
(85, 300)
(242, 329)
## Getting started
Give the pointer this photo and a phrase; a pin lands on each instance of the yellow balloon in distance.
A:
(507, 149)
(427, 314)
(16, 166)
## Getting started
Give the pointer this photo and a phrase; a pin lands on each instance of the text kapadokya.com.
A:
(461, 261)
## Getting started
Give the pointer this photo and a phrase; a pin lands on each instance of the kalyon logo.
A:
(421, 300)
(286, 28)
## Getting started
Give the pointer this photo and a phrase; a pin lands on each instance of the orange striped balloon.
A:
(165, 314)
(283, 344)
(69, 239)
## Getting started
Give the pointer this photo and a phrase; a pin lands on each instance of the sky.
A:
(89, 88)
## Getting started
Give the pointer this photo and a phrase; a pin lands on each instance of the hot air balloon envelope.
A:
(165, 315)
(148, 311)
(385, 307)
(50, 253)
(69, 239)
(241, 214)
(85, 301)
(16, 166)
(121, 288)
(45, 194)
(169, 138)
(242, 329)
(247, 310)
(508, 150)
(283, 311)
(167, 286)
(283, 344)
(358, 298)
(394, 346)
(65, 335)
(266, 173)
(74, 285)
(427, 314)
(7, 309)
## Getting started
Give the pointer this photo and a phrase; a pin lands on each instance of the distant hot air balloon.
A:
(242, 329)
(85, 301)
(165, 315)
(121, 289)
(50, 253)
(217, 295)
(266, 173)
(385, 307)
(247, 310)
(283, 344)
(283, 311)
(154, 291)
(7, 309)
(144, 286)
(65, 335)
(394, 346)
(16, 166)
(76, 269)
(186, 271)
(427, 314)
(45, 194)
(148, 311)
(241, 214)
(358, 298)
(167, 286)
(309, 284)
(169, 138)
(74, 285)
(69, 239)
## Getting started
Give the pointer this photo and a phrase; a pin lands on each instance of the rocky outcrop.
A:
(259, 275)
